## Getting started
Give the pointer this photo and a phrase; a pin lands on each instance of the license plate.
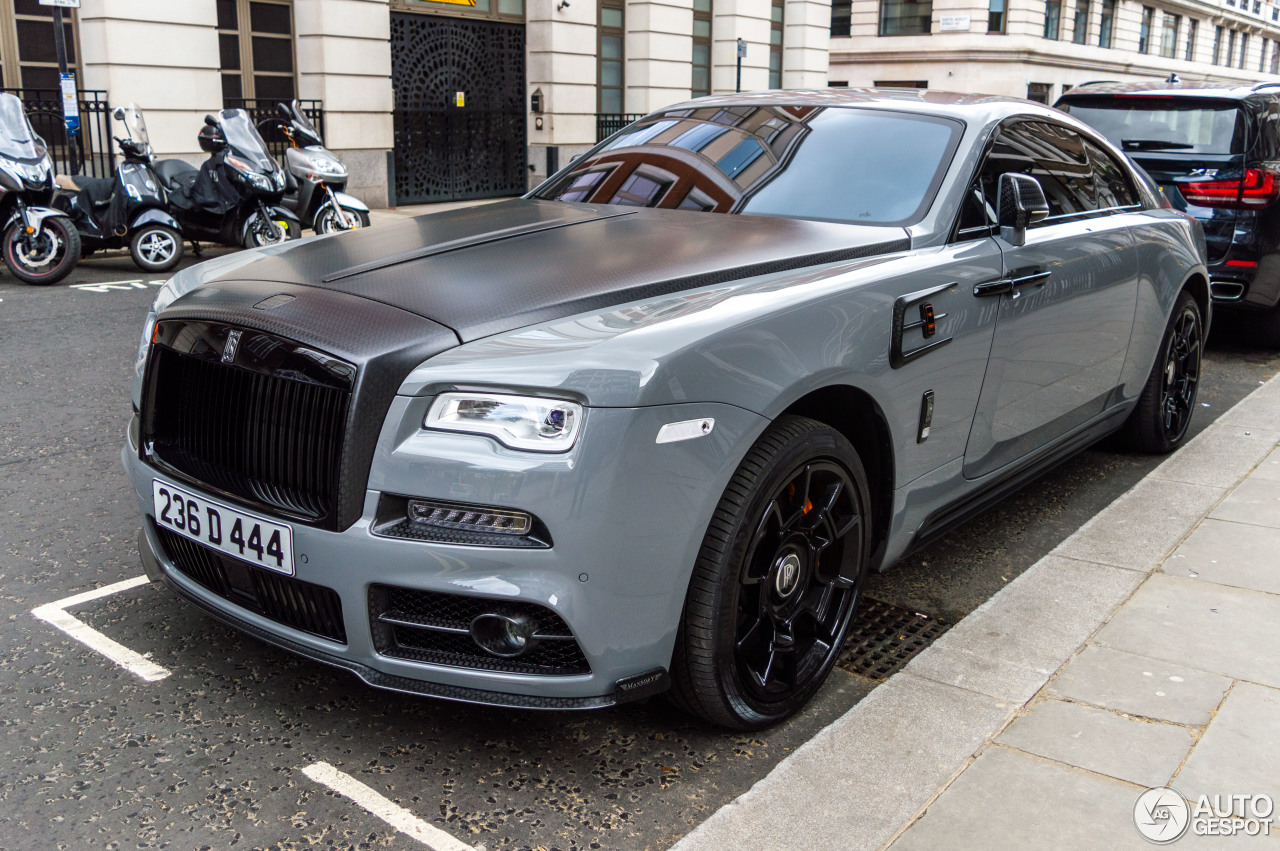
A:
(224, 529)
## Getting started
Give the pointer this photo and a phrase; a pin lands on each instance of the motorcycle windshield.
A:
(301, 123)
(136, 125)
(17, 140)
(244, 139)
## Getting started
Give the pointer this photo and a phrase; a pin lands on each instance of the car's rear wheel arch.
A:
(856, 415)
(1198, 286)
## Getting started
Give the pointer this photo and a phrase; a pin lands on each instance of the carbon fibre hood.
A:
(493, 268)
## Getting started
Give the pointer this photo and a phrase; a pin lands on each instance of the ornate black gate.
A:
(447, 152)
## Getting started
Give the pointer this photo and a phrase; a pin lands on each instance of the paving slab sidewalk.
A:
(1143, 651)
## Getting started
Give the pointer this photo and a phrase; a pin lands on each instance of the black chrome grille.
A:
(261, 427)
(301, 605)
(426, 626)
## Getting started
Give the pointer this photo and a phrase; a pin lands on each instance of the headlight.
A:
(261, 182)
(519, 422)
(326, 166)
(278, 177)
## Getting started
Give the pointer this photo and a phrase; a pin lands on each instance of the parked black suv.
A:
(1215, 152)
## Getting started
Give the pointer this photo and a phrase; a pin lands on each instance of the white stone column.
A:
(561, 51)
(732, 20)
(344, 59)
(806, 37)
(161, 55)
(659, 53)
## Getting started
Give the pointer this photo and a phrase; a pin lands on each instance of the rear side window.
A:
(1139, 123)
(1114, 188)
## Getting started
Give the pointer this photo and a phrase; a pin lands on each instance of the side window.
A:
(1053, 155)
(1114, 188)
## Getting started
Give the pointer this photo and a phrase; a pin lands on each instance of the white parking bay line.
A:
(134, 663)
(393, 814)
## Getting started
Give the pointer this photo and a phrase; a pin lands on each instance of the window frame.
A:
(245, 35)
(11, 61)
(707, 16)
(620, 33)
(1193, 29)
(975, 174)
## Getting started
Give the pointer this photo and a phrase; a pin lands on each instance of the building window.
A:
(901, 84)
(1192, 26)
(609, 63)
(255, 39)
(1105, 24)
(1257, 7)
(1080, 26)
(1262, 55)
(837, 84)
(906, 17)
(776, 11)
(1039, 92)
(1169, 35)
(1275, 57)
(995, 16)
(702, 47)
(1231, 48)
(29, 29)
(1275, 14)
(1144, 31)
(1244, 48)
(842, 17)
(1052, 18)
(1217, 45)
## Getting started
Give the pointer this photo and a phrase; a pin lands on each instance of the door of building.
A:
(459, 108)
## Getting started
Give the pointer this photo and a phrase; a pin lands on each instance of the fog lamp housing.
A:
(504, 635)
(469, 518)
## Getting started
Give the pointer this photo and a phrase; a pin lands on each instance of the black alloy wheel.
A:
(1164, 410)
(777, 579)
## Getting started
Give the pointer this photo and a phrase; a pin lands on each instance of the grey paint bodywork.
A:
(1022, 381)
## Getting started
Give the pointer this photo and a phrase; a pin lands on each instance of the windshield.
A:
(243, 138)
(873, 167)
(17, 140)
(1139, 123)
(136, 125)
(301, 122)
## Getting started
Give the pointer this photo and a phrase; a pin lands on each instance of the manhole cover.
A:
(884, 637)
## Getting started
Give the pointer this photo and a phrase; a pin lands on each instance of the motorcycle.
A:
(129, 209)
(40, 244)
(234, 197)
(315, 178)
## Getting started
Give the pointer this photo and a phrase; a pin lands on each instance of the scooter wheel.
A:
(327, 220)
(260, 232)
(156, 248)
(46, 259)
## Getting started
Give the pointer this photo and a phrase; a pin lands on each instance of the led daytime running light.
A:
(469, 518)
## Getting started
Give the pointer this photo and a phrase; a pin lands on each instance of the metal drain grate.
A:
(883, 638)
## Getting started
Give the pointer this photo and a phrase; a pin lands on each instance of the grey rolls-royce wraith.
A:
(649, 427)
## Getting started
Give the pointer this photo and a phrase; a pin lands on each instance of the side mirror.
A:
(211, 121)
(1021, 203)
(118, 113)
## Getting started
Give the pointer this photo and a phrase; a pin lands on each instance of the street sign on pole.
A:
(742, 51)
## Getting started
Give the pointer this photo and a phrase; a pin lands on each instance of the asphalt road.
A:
(93, 756)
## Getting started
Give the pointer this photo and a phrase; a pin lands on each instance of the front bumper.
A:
(626, 517)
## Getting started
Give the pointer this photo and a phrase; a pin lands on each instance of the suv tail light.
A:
(1258, 188)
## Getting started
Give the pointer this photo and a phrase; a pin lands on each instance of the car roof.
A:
(970, 107)
(1167, 89)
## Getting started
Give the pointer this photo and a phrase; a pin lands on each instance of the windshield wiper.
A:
(1152, 145)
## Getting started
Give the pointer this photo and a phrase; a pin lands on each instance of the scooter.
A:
(234, 197)
(315, 178)
(40, 244)
(130, 209)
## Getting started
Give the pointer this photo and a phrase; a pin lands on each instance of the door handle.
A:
(1033, 277)
(1000, 286)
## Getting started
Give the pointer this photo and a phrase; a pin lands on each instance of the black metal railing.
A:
(608, 123)
(262, 109)
(89, 152)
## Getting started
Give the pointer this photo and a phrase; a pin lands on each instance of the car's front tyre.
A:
(1160, 420)
(777, 578)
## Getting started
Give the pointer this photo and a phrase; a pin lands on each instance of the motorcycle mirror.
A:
(211, 121)
(118, 113)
